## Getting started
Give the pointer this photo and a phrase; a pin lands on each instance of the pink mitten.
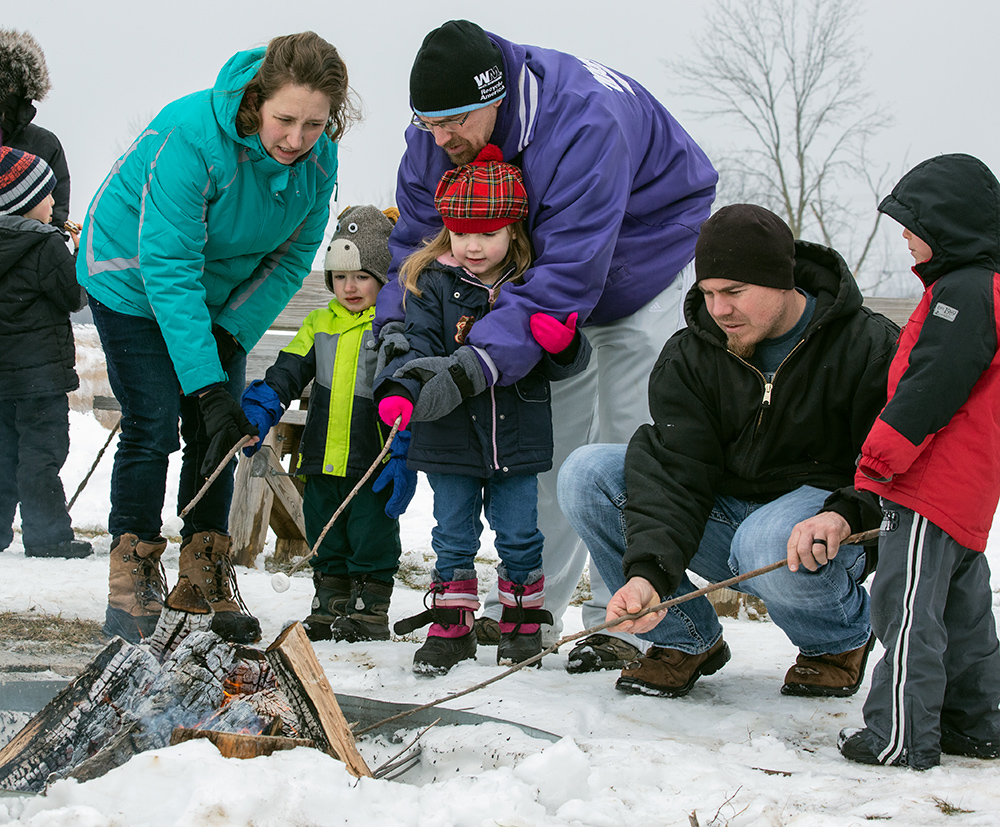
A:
(551, 334)
(393, 406)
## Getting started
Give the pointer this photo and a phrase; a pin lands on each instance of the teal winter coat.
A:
(195, 225)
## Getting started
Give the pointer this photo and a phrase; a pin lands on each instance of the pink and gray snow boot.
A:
(520, 633)
(450, 609)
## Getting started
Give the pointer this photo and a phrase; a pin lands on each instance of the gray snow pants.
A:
(932, 609)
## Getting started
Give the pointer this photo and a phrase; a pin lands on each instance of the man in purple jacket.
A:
(617, 191)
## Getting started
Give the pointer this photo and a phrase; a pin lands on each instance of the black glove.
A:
(225, 342)
(225, 423)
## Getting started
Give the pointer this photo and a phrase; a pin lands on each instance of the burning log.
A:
(88, 711)
(188, 688)
(126, 702)
(307, 689)
(239, 745)
(185, 611)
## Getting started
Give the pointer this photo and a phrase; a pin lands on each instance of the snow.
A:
(734, 752)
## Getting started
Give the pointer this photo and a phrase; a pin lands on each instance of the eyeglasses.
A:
(452, 125)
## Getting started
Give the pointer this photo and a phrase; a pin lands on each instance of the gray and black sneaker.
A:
(598, 652)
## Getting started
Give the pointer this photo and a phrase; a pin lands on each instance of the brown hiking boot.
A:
(205, 562)
(828, 676)
(136, 587)
(670, 673)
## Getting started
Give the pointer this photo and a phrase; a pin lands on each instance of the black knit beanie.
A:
(456, 70)
(744, 242)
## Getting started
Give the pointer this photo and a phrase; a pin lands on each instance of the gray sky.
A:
(114, 64)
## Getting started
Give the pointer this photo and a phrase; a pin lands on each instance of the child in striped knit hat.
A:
(38, 291)
(481, 445)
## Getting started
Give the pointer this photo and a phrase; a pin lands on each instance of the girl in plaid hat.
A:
(481, 445)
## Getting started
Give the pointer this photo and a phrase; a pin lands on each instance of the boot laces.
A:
(432, 593)
(223, 581)
(150, 580)
(518, 591)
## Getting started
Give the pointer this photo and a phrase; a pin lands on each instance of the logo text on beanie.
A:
(490, 83)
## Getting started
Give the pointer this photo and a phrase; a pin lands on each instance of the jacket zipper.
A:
(765, 401)
(493, 425)
(493, 290)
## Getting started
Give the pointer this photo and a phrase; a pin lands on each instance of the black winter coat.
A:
(720, 429)
(37, 140)
(38, 291)
(506, 429)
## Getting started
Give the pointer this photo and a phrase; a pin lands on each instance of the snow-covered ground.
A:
(734, 752)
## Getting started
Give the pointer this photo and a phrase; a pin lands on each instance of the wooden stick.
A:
(93, 467)
(860, 537)
(215, 474)
(349, 497)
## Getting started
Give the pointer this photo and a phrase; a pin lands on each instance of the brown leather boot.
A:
(205, 562)
(828, 676)
(136, 588)
(670, 673)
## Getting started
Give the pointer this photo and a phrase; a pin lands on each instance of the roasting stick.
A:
(208, 483)
(350, 496)
(860, 537)
(93, 467)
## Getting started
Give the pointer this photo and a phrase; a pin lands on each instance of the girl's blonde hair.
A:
(518, 253)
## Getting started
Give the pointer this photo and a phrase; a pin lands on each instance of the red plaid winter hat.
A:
(25, 180)
(482, 196)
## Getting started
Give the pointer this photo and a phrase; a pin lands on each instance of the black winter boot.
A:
(329, 603)
(367, 612)
(68, 549)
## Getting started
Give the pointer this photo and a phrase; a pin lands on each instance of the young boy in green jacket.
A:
(354, 566)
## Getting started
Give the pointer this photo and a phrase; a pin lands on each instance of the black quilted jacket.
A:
(38, 291)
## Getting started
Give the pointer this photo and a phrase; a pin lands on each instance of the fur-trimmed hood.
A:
(23, 72)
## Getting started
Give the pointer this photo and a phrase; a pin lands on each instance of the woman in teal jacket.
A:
(198, 237)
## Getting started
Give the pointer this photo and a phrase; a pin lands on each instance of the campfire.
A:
(187, 682)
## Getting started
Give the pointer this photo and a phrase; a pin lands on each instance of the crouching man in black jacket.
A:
(760, 407)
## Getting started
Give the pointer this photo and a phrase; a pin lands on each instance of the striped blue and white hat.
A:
(25, 180)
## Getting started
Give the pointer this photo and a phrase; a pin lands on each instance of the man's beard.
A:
(744, 350)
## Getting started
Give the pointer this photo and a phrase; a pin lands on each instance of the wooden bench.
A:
(266, 493)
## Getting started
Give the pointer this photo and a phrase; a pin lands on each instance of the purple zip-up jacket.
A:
(617, 192)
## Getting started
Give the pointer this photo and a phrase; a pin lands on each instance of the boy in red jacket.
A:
(932, 457)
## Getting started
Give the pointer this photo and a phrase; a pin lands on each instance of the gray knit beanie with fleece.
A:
(361, 242)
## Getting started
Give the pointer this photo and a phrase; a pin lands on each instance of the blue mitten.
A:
(445, 382)
(263, 408)
(404, 481)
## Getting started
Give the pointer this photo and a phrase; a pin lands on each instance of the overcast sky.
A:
(114, 64)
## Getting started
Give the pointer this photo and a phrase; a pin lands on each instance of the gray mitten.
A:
(445, 380)
(391, 343)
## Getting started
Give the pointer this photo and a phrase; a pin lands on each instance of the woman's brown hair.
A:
(519, 253)
(303, 59)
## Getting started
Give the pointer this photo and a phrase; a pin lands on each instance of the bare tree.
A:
(786, 76)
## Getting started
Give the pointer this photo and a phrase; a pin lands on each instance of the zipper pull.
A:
(767, 395)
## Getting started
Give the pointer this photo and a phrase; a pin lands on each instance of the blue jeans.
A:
(511, 506)
(145, 384)
(822, 612)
